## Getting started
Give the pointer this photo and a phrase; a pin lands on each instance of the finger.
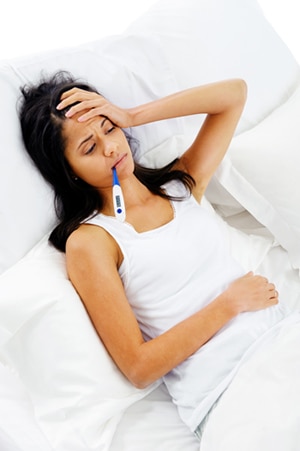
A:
(271, 286)
(66, 102)
(65, 98)
(79, 106)
(92, 112)
(274, 296)
(71, 92)
(74, 95)
(89, 115)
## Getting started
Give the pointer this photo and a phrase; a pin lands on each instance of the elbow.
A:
(242, 90)
(141, 375)
(140, 379)
(140, 384)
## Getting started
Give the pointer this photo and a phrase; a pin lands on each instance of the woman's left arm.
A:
(222, 102)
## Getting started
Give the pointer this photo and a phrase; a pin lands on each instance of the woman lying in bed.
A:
(162, 290)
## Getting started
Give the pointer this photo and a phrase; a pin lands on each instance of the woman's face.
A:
(94, 147)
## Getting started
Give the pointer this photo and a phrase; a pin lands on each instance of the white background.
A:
(32, 26)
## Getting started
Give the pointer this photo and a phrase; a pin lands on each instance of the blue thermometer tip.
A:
(118, 201)
(115, 177)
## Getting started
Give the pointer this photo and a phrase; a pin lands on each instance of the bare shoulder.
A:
(88, 242)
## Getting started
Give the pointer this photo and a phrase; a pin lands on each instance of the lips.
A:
(119, 160)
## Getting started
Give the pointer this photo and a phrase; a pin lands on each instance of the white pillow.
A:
(77, 392)
(262, 172)
(209, 40)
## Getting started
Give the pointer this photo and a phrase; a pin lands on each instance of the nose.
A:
(110, 148)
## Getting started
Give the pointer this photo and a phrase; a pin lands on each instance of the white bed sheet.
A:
(19, 430)
(261, 409)
(153, 424)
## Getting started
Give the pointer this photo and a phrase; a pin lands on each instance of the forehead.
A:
(72, 130)
(71, 124)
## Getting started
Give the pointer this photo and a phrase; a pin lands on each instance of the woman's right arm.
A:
(95, 276)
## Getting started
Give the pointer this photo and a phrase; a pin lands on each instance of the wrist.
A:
(229, 306)
(135, 116)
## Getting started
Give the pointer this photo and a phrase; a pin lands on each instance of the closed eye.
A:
(111, 129)
(90, 149)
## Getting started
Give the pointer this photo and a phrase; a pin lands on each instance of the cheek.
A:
(92, 172)
(75, 168)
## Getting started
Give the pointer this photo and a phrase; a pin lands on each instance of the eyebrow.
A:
(90, 136)
(84, 141)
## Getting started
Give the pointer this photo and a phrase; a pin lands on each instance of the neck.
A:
(134, 192)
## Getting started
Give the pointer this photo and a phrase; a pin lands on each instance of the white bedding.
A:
(261, 408)
(59, 389)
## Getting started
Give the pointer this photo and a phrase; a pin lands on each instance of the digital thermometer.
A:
(118, 200)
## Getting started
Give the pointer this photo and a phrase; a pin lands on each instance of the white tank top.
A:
(173, 271)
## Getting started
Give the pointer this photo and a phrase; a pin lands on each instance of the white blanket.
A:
(261, 408)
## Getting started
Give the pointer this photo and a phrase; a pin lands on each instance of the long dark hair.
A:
(41, 125)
